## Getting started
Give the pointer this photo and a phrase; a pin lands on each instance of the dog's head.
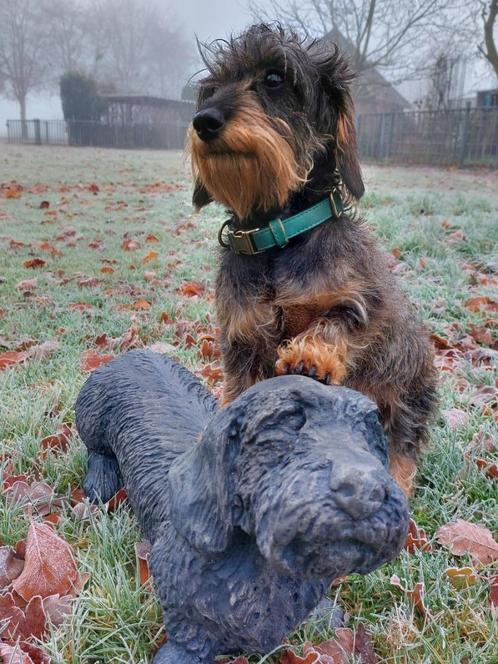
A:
(275, 115)
(299, 467)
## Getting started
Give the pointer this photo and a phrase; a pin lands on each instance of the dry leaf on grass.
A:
(150, 257)
(24, 623)
(455, 418)
(119, 497)
(50, 567)
(59, 440)
(142, 554)
(27, 285)
(91, 360)
(416, 538)
(461, 577)
(191, 289)
(289, 657)
(416, 595)
(35, 262)
(474, 539)
(10, 566)
(493, 592)
(23, 653)
(39, 496)
(12, 357)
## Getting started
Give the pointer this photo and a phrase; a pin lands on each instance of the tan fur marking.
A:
(403, 469)
(252, 165)
(244, 324)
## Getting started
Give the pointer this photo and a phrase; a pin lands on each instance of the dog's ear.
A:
(347, 151)
(335, 111)
(200, 196)
(198, 485)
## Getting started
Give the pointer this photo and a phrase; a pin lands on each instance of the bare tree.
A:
(381, 34)
(168, 55)
(489, 14)
(136, 45)
(65, 25)
(22, 50)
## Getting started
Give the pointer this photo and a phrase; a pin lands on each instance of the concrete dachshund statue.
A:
(252, 510)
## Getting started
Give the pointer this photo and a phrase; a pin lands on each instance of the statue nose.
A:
(358, 491)
(208, 123)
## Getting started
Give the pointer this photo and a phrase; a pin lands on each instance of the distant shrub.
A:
(80, 97)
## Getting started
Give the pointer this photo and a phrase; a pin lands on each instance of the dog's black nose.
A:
(208, 123)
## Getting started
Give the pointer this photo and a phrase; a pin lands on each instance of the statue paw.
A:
(311, 356)
(172, 653)
(103, 478)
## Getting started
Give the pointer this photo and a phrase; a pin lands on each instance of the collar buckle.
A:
(239, 241)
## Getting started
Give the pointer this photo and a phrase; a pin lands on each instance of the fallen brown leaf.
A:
(150, 257)
(455, 418)
(191, 289)
(142, 554)
(24, 623)
(59, 440)
(141, 305)
(118, 498)
(461, 577)
(27, 285)
(12, 357)
(416, 538)
(416, 595)
(50, 567)
(35, 262)
(475, 304)
(10, 566)
(474, 539)
(493, 592)
(90, 360)
(130, 245)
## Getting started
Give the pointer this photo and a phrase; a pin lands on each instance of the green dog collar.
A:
(278, 232)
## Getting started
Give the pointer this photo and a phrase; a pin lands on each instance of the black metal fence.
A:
(459, 137)
(60, 132)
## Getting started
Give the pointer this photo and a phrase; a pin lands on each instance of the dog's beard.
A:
(251, 166)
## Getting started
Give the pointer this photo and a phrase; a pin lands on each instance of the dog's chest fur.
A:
(277, 295)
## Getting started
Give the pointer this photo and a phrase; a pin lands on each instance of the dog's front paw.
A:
(310, 356)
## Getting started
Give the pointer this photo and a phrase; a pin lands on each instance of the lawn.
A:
(101, 251)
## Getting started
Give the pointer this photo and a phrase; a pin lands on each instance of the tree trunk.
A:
(24, 126)
(489, 24)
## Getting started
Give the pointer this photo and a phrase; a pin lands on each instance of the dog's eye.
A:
(209, 91)
(273, 79)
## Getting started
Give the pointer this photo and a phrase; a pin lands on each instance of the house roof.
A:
(374, 84)
(146, 100)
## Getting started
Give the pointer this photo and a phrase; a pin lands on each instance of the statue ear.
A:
(200, 196)
(198, 485)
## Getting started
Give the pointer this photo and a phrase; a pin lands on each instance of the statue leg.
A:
(172, 653)
(103, 478)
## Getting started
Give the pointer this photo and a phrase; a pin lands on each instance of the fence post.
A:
(37, 132)
(383, 133)
(465, 135)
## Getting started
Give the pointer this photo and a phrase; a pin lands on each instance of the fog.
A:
(208, 20)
